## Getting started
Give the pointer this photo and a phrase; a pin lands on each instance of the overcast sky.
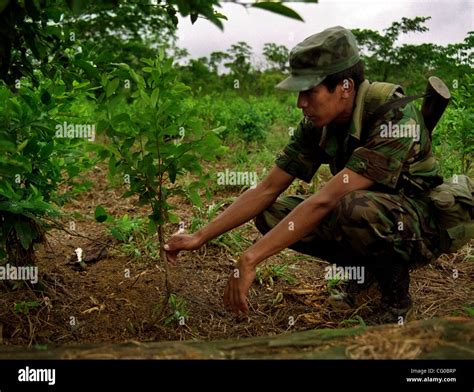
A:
(450, 22)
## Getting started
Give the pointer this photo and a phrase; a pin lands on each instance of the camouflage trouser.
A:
(388, 233)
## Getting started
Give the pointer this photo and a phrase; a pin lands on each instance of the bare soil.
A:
(116, 298)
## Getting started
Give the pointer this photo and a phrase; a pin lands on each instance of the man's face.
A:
(320, 106)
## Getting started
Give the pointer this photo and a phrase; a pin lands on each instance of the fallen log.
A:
(440, 338)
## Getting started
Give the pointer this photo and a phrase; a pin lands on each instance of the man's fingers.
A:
(244, 307)
(234, 299)
(173, 242)
(171, 257)
(171, 245)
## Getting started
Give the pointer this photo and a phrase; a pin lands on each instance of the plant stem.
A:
(164, 260)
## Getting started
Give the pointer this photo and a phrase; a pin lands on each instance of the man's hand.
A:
(238, 285)
(179, 242)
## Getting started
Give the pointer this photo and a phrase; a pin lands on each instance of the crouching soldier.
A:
(374, 212)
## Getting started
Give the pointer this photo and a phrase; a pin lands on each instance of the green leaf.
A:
(195, 198)
(117, 234)
(45, 97)
(11, 206)
(90, 71)
(469, 311)
(7, 146)
(73, 171)
(220, 16)
(128, 143)
(172, 169)
(161, 54)
(145, 97)
(173, 218)
(34, 189)
(147, 61)
(25, 232)
(7, 191)
(100, 214)
(46, 150)
(112, 86)
(22, 145)
(112, 166)
(151, 226)
(120, 118)
(278, 8)
(77, 86)
(154, 97)
(40, 207)
(114, 102)
(128, 194)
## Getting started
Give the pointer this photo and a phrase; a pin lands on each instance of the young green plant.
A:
(155, 136)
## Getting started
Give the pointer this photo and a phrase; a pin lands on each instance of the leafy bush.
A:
(124, 229)
(251, 124)
(132, 233)
(34, 162)
(246, 120)
(453, 139)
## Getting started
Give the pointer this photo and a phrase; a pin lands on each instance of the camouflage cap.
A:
(318, 56)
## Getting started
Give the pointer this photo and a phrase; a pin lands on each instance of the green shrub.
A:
(34, 162)
(453, 137)
(246, 120)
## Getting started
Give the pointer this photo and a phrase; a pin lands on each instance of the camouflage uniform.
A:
(388, 228)
(392, 217)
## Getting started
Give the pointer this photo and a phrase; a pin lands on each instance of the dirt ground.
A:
(117, 297)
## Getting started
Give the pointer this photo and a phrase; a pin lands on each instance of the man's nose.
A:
(302, 101)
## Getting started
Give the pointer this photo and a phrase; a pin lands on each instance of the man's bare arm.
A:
(248, 205)
(245, 207)
(300, 222)
(307, 215)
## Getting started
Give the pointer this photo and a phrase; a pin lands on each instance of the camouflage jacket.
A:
(395, 152)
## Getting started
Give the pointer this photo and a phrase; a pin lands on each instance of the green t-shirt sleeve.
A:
(395, 141)
(302, 156)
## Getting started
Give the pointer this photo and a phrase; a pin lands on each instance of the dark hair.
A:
(356, 73)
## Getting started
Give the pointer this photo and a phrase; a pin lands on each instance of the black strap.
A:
(387, 106)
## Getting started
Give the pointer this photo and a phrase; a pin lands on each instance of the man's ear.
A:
(347, 88)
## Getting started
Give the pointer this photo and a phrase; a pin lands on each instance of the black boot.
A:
(394, 282)
(352, 293)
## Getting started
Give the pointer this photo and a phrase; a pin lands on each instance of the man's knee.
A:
(368, 220)
(358, 208)
(261, 224)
